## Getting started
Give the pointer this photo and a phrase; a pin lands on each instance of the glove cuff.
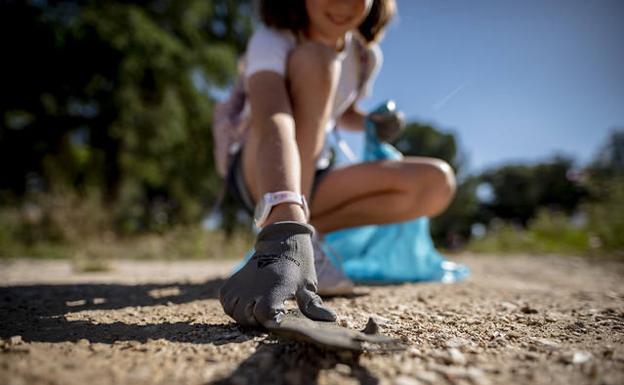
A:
(281, 230)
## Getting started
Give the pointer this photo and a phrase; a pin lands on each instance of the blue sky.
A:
(514, 80)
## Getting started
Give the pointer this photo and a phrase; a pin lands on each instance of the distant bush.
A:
(548, 233)
(606, 216)
(597, 229)
(67, 226)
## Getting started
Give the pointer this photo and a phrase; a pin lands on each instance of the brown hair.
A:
(292, 15)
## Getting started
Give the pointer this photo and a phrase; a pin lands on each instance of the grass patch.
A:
(66, 226)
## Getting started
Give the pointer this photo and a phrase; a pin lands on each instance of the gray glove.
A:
(281, 268)
(388, 124)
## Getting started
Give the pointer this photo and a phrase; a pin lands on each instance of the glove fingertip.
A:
(268, 314)
(319, 312)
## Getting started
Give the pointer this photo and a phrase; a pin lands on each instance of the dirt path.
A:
(516, 320)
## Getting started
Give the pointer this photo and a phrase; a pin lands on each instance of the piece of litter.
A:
(581, 357)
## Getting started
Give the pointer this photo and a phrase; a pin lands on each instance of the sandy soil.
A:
(521, 320)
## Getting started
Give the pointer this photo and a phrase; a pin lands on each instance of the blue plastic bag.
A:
(397, 252)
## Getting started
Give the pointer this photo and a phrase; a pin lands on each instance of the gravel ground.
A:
(520, 320)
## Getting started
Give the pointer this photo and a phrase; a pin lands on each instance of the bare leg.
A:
(382, 192)
(283, 158)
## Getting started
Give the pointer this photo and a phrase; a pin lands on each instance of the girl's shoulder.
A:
(268, 49)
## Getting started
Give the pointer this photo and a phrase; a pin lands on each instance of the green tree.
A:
(116, 96)
(605, 180)
(521, 190)
(421, 139)
(609, 160)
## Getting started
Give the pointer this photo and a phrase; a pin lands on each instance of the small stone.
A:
(456, 357)
(83, 342)
(371, 327)
(457, 342)
(79, 302)
(414, 352)
(164, 292)
(608, 352)
(545, 343)
(343, 369)
(508, 306)
(450, 372)
(98, 347)
(427, 377)
(477, 376)
(404, 380)
(15, 340)
(581, 357)
(345, 323)
(529, 356)
(402, 308)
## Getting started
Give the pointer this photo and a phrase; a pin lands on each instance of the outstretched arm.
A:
(352, 119)
(288, 121)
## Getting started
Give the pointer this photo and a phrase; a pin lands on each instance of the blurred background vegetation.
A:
(106, 148)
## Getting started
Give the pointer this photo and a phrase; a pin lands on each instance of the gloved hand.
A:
(389, 123)
(281, 268)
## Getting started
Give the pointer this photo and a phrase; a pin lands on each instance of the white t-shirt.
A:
(268, 50)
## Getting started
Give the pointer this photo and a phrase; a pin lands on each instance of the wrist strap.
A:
(274, 198)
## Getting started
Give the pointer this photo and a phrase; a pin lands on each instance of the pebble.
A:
(576, 358)
(427, 377)
(456, 357)
(581, 357)
(79, 302)
(457, 342)
(381, 321)
(508, 306)
(404, 380)
(450, 371)
(414, 352)
(15, 340)
(477, 376)
(550, 318)
(545, 343)
(343, 369)
(608, 352)
(529, 356)
(98, 347)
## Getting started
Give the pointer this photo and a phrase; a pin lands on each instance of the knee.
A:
(438, 186)
(442, 187)
(446, 179)
(312, 63)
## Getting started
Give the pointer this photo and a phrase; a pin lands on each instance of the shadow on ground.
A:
(282, 362)
(37, 313)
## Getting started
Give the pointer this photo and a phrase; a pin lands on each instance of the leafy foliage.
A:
(521, 190)
(115, 96)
